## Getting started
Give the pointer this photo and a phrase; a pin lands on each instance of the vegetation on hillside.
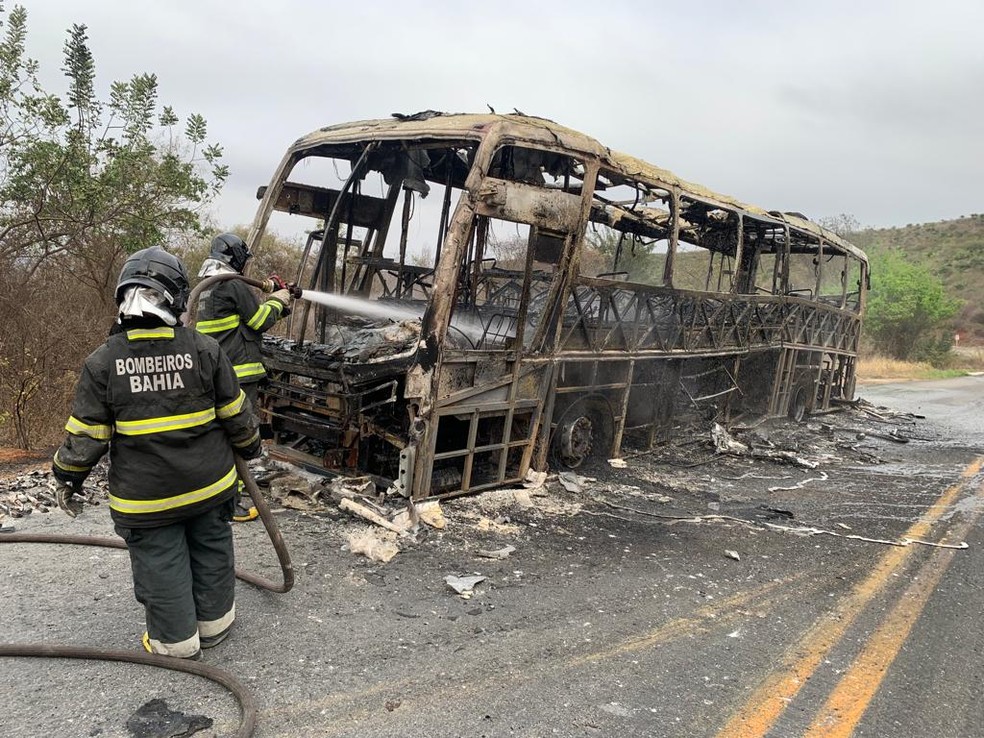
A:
(909, 312)
(950, 250)
(925, 286)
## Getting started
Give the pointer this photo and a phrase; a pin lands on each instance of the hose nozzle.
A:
(274, 283)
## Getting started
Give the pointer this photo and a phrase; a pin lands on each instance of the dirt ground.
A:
(14, 460)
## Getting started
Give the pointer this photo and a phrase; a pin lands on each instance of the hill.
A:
(953, 250)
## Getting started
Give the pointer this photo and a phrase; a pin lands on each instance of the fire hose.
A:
(247, 705)
(270, 284)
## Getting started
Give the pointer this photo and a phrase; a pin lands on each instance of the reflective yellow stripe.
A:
(169, 503)
(227, 411)
(260, 316)
(68, 467)
(164, 423)
(249, 370)
(251, 439)
(139, 333)
(98, 432)
(218, 325)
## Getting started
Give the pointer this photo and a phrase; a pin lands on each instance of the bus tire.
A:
(799, 402)
(582, 432)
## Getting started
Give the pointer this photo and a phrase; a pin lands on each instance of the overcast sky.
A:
(871, 108)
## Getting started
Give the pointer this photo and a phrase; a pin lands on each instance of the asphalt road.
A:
(685, 596)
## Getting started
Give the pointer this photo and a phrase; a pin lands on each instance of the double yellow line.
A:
(850, 698)
(360, 708)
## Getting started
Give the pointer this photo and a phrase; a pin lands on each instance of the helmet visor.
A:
(139, 301)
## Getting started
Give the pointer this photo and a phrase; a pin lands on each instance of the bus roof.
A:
(475, 126)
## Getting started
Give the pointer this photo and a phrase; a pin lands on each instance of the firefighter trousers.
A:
(184, 575)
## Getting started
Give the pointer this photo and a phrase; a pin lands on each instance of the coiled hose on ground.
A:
(247, 705)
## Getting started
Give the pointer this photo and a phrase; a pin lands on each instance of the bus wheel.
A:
(584, 430)
(799, 403)
(575, 441)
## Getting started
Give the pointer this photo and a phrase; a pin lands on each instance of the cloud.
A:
(866, 108)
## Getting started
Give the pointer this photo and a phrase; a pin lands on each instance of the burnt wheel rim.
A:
(576, 440)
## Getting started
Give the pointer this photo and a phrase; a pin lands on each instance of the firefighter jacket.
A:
(166, 404)
(231, 314)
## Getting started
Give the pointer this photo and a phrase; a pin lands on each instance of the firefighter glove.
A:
(251, 450)
(65, 494)
(282, 296)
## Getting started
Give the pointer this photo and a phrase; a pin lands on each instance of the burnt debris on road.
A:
(776, 454)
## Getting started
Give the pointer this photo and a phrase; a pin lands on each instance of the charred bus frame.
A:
(623, 298)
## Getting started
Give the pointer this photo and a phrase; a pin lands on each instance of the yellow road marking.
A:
(716, 615)
(770, 699)
(850, 699)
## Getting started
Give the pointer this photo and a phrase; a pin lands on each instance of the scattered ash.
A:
(858, 433)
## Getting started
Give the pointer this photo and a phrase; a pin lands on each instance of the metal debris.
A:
(725, 444)
(801, 483)
(797, 531)
(463, 585)
(500, 553)
(350, 487)
(893, 434)
(570, 481)
(901, 542)
(298, 490)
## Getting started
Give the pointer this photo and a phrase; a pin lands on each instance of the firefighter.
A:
(165, 401)
(232, 314)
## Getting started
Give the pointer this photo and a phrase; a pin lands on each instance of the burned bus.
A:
(494, 293)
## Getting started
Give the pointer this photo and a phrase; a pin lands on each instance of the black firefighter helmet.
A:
(159, 270)
(230, 249)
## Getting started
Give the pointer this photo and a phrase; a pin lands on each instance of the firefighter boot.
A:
(215, 640)
(149, 648)
(244, 510)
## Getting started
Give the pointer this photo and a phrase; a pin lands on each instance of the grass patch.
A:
(970, 358)
(873, 367)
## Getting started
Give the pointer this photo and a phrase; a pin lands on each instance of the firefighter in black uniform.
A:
(165, 401)
(232, 315)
